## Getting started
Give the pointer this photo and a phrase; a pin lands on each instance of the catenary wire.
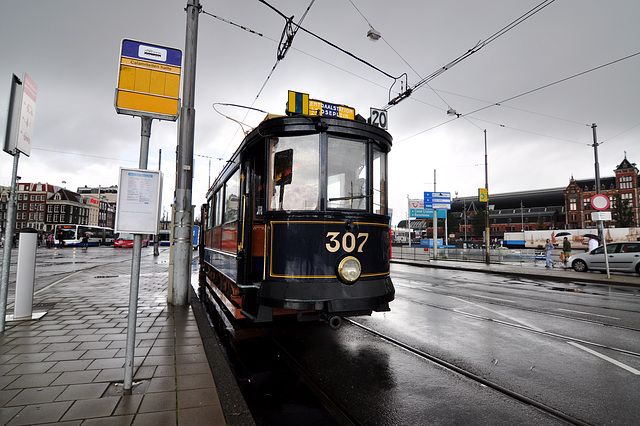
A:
(468, 53)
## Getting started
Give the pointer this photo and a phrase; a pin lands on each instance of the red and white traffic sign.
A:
(600, 202)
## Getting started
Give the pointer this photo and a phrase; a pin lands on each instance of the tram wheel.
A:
(335, 322)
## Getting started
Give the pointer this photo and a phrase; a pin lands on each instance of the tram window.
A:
(217, 205)
(379, 182)
(347, 174)
(232, 197)
(300, 189)
(211, 214)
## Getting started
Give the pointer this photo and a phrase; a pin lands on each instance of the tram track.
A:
(495, 302)
(472, 376)
(529, 329)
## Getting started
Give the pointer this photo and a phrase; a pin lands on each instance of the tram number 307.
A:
(348, 242)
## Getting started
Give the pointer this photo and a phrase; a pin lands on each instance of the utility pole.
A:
(156, 238)
(435, 223)
(598, 190)
(183, 216)
(487, 230)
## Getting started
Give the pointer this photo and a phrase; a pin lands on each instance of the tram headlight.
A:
(349, 269)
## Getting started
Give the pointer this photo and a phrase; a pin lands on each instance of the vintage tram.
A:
(297, 222)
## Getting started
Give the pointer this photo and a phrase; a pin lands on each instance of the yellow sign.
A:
(149, 81)
(299, 103)
(483, 196)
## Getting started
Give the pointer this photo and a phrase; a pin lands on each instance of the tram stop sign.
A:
(149, 81)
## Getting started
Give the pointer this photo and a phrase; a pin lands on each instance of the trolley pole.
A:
(183, 217)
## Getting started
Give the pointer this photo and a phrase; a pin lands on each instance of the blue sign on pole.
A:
(437, 200)
(426, 213)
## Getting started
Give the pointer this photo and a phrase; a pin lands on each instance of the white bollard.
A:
(25, 275)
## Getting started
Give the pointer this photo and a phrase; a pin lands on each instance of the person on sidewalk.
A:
(593, 243)
(548, 248)
(566, 250)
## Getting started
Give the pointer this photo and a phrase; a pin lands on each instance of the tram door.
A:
(255, 224)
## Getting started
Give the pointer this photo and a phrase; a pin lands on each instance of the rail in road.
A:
(463, 347)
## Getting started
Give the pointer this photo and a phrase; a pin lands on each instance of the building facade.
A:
(624, 185)
(106, 197)
(31, 205)
(67, 207)
(554, 208)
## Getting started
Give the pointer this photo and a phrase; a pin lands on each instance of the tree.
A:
(478, 223)
(622, 212)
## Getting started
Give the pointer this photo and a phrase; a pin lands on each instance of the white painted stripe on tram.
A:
(606, 358)
(532, 327)
(587, 313)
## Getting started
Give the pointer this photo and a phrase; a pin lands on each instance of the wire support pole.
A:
(183, 215)
(487, 229)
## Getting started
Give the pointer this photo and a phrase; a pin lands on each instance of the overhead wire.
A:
(468, 53)
(562, 80)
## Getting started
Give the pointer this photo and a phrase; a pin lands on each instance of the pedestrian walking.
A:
(593, 244)
(566, 250)
(85, 241)
(548, 248)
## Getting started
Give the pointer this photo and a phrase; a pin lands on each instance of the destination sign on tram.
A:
(299, 103)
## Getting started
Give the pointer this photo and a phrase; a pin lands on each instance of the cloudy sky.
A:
(536, 138)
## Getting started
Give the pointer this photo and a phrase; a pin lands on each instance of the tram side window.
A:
(217, 205)
(210, 214)
(379, 182)
(232, 197)
(347, 174)
(294, 173)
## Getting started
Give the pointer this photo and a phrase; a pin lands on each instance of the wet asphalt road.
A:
(570, 347)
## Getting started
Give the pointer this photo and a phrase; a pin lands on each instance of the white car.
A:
(623, 257)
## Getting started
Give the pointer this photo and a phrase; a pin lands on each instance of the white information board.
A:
(139, 199)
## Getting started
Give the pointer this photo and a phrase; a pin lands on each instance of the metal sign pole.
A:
(135, 270)
(8, 237)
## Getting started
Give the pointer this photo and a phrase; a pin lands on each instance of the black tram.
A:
(297, 222)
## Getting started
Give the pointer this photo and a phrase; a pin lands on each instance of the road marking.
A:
(50, 285)
(606, 358)
(495, 298)
(532, 327)
(587, 313)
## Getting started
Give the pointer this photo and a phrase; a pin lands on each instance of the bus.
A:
(71, 235)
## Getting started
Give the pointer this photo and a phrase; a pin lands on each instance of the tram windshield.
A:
(347, 174)
(295, 175)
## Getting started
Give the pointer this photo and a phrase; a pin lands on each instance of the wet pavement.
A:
(68, 366)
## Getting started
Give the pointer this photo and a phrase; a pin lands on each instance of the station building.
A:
(554, 208)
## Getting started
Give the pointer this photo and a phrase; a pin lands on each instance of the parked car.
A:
(623, 257)
(125, 240)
